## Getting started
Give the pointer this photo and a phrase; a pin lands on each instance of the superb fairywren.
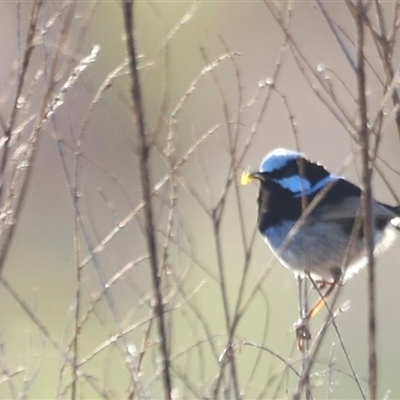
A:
(312, 220)
(328, 242)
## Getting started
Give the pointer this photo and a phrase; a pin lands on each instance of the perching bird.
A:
(312, 219)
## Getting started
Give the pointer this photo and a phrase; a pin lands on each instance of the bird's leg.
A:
(302, 331)
(300, 291)
(302, 303)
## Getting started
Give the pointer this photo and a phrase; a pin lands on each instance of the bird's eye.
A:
(286, 173)
(290, 170)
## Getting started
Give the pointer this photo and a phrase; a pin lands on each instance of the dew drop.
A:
(122, 224)
(20, 102)
(269, 81)
(320, 68)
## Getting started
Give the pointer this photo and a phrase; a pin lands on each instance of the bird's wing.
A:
(351, 208)
(343, 201)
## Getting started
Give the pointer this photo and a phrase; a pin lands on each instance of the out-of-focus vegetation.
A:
(223, 83)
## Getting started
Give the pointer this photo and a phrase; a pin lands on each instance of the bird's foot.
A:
(320, 285)
(302, 333)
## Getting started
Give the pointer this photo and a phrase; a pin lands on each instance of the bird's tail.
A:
(396, 221)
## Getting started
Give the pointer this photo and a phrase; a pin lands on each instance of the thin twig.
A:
(145, 146)
(367, 200)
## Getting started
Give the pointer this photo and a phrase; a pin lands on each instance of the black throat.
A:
(276, 205)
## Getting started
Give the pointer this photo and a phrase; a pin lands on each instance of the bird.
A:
(312, 221)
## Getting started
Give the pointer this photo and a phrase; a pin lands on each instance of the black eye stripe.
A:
(311, 171)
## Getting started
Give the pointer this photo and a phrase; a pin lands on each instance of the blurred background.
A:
(212, 123)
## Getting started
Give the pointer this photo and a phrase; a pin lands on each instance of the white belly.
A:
(320, 248)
